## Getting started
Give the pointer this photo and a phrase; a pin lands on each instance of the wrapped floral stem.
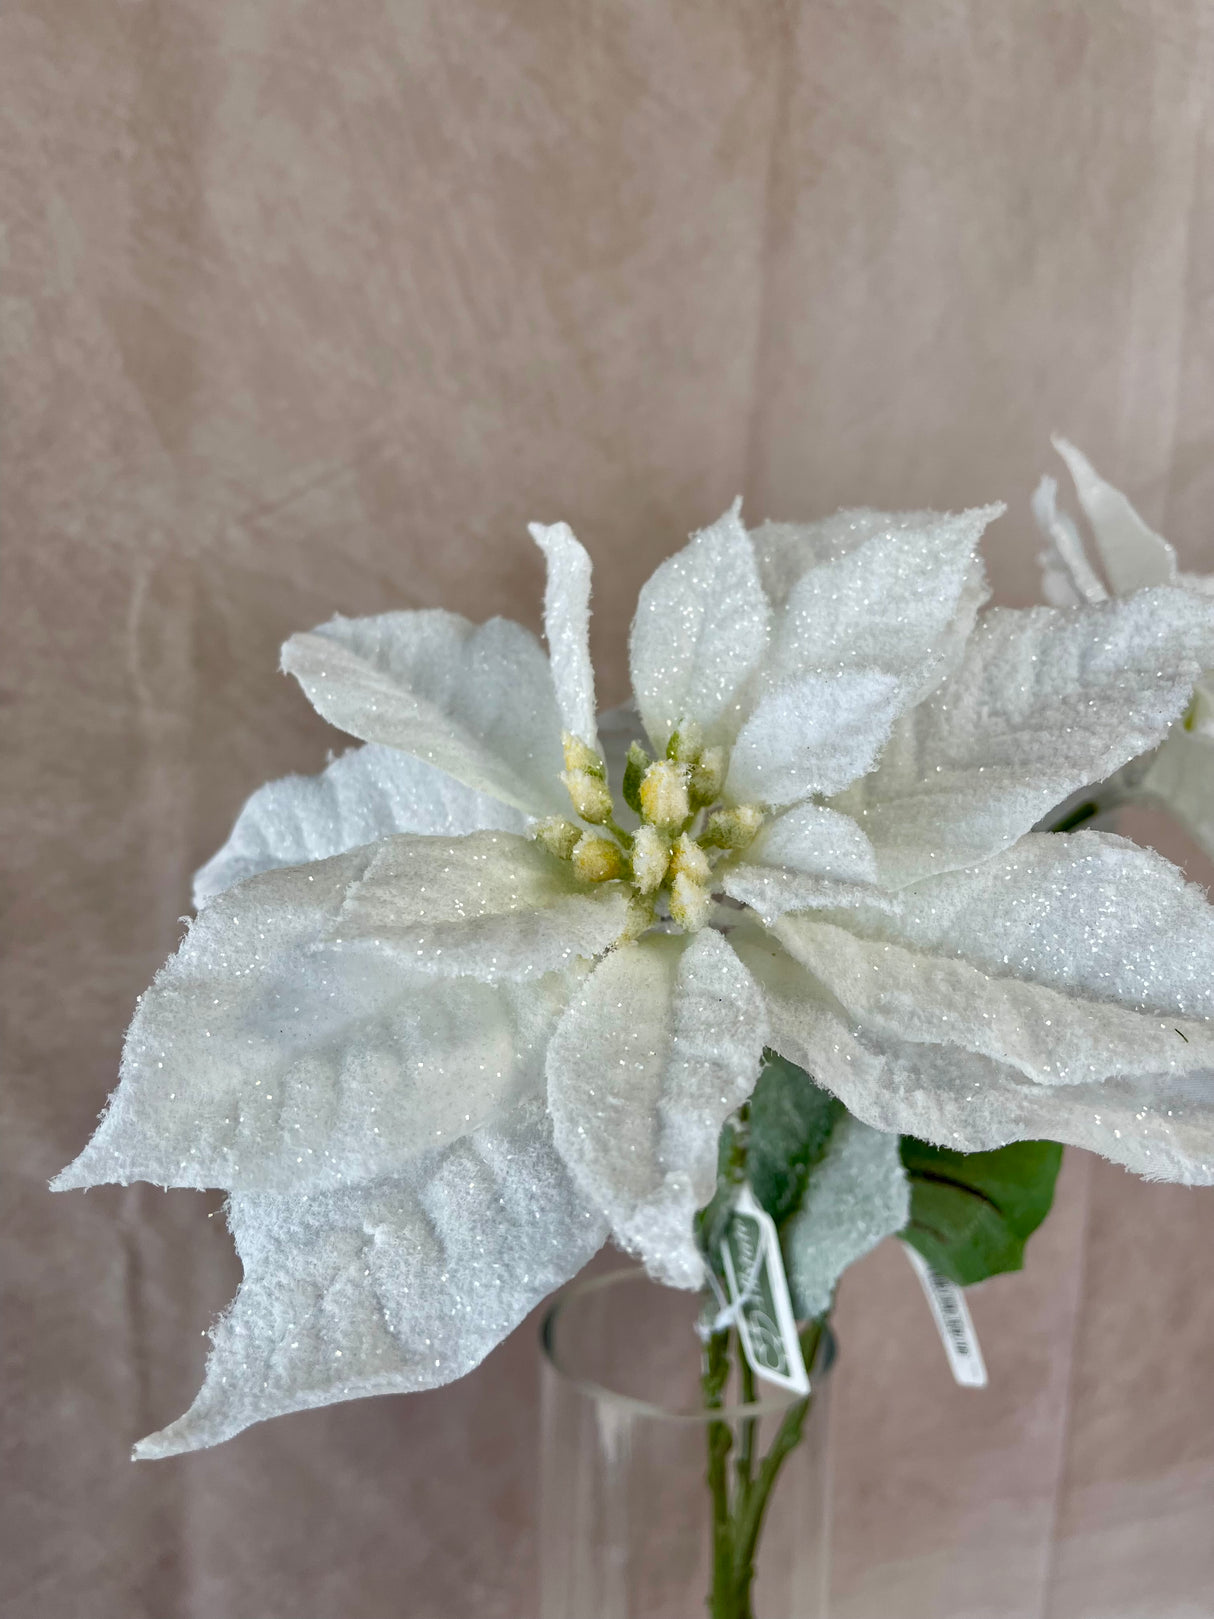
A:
(499, 983)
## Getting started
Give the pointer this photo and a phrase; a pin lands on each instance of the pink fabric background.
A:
(309, 307)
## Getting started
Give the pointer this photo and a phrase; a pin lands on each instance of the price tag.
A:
(758, 1295)
(952, 1317)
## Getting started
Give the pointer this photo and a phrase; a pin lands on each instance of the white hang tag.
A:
(952, 1317)
(758, 1296)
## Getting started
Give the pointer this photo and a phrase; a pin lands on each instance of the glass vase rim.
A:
(774, 1404)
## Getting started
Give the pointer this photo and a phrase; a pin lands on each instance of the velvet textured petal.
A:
(815, 735)
(888, 604)
(889, 992)
(386, 1288)
(808, 857)
(699, 634)
(1044, 702)
(489, 905)
(817, 841)
(280, 1049)
(475, 700)
(1132, 553)
(773, 891)
(662, 1043)
(1084, 912)
(567, 627)
(368, 793)
(1160, 1126)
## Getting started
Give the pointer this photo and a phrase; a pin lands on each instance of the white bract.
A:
(1180, 773)
(485, 990)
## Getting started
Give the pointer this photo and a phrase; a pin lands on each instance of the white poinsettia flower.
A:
(1180, 773)
(470, 1000)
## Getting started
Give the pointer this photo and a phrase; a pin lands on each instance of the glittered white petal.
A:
(857, 1196)
(772, 891)
(1043, 702)
(267, 1055)
(808, 856)
(815, 735)
(891, 992)
(387, 1288)
(475, 700)
(699, 634)
(1068, 578)
(567, 627)
(1085, 912)
(1133, 554)
(888, 604)
(661, 1045)
(804, 1025)
(818, 841)
(1160, 1126)
(784, 552)
(366, 794)
(490, 904)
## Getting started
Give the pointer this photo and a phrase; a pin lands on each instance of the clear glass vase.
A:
(653, 1506)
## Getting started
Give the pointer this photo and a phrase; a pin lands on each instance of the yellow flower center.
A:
(668, 861)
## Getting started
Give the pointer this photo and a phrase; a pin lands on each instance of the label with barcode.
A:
(758, 1291)
(952, 1317)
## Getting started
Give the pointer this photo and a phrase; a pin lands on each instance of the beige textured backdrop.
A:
(309, 307)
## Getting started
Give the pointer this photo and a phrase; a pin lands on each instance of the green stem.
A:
(744, 1466)
(715, 1376)
(735, 1540)
(625, 839)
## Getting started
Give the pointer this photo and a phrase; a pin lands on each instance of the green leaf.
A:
(972, 1212)
(791, 1121)
(637, 764)
(775, 1142)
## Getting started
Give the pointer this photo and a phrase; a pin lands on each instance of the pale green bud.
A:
(557, 835)
(686, 743)
(597, 859)
(650, 858)
(690, 903)
(689, 860)
(590, 794)
(708, 776)
(664, 799)
(732, 828)
(634, 773)
(580, 757)
(640, 917)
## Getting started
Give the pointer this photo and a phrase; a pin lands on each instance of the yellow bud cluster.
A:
(668, 794)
